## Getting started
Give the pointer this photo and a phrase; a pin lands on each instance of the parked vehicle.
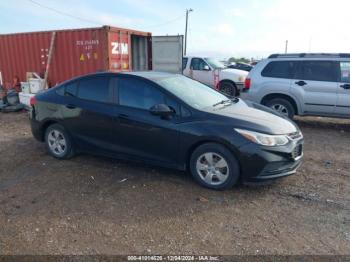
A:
(167, 120)
(213, 73)
(240, 66)
(302, 84)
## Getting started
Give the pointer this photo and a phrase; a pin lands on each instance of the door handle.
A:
(70, 106)
(123, 116)
(301, 83)
(345, 86)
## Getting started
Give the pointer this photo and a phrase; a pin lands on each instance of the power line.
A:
(64, 13)
(95, 22)
(166, 23)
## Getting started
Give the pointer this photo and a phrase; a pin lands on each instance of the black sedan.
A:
(167, 120)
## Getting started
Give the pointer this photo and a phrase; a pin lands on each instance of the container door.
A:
(167, 53)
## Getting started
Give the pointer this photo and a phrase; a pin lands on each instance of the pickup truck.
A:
(213, 73)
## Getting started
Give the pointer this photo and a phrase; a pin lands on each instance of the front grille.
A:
(295, 136)
(297, 152)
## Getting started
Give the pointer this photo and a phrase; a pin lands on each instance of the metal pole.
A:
(187, 12)
(52, 45)
(286, 50)
(186, 32)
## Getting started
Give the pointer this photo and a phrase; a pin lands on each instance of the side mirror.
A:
(161, 110)
(206, 68)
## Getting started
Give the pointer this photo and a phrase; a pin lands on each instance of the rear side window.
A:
(345, 72)
(95, 89)
(71, 89)
(138, 94)
(318, 71)
(60, 90)
(279, 69)
(184, 62)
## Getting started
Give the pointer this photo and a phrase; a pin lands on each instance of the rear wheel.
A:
(282, 106)
(214, 167)
(228, 88)
(58, 142)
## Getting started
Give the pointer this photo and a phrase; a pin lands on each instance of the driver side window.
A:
(138, 94)
(198, 64)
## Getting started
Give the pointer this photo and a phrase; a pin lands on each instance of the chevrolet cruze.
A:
(167, 120)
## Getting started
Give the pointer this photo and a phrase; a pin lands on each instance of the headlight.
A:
(264, 139)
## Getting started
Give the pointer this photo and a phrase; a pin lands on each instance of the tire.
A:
(58, 142)
(228, 88)
(207, 175)
(282, 106)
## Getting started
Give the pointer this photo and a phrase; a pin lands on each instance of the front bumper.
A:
(260, 163)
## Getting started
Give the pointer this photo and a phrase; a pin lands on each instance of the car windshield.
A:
(215, 64)
(191, 92)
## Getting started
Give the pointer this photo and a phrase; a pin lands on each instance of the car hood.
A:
(255, 117)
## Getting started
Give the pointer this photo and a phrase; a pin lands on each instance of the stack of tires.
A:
(2, 98)
(10, 101)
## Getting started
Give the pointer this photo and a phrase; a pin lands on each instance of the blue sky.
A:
(221, 28)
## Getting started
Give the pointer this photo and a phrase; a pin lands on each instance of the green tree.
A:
(238, 60)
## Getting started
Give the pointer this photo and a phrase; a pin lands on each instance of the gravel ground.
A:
(93, 205)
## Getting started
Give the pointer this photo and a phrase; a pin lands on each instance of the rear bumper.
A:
(36, 130)
(240, 86)
(246, 95)
(35, 126)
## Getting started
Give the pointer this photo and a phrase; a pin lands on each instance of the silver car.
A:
(302, 84)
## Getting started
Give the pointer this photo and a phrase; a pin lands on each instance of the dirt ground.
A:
(93, 205)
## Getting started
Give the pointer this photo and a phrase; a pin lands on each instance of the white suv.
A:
(213, 73)
(302, 84)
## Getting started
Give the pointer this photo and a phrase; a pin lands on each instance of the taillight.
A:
(247, 83)
(32, 101)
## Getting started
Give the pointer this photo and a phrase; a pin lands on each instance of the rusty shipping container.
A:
(76, 52)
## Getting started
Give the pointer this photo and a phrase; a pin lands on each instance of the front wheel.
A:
(214, 167)
(58, 142)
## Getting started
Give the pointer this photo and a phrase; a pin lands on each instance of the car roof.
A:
(310, 55)
(198, 56)
(151, 75)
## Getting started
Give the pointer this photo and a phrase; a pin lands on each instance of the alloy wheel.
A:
(281, 109)
(57, 142)
(212, 168)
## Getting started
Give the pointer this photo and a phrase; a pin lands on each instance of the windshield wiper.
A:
(233, 100)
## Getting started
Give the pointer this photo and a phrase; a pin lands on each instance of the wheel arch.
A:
(283, 96)
(228, 81)
(44, 127)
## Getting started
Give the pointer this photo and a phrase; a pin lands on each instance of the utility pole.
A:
(187, 12)
(286, 50)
